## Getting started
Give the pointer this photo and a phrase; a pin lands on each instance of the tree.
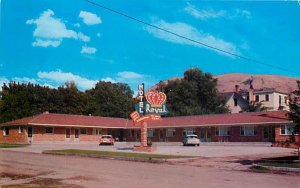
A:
(255, 107)
(110, 99)
(195, 94)
(295, 111)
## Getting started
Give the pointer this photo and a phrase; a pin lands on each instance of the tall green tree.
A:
(195, 94)
(295, 112)
(110, 99)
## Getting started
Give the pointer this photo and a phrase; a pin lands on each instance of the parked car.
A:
(106, 139)
(191, 139)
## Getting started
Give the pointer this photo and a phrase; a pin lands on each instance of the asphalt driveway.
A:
(205, 150)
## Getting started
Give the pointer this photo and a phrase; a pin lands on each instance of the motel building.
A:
(270, 126)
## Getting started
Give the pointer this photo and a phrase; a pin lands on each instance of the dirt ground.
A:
(40, 170)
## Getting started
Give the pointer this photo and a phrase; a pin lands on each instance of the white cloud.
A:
(2, 81)
(108, 79)
(77, 25)
(88, 50)
(192, 33)
(244, 13)
(62, 77)
(83, 37)
(46, 43)
(25, 80)
(90, 18)
(129, 75)
(50, 31)
(203, 14)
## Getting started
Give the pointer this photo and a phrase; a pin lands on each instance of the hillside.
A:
(227, 82)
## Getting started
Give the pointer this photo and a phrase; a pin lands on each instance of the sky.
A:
(49, 42)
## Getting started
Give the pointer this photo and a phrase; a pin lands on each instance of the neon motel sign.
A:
(150, 106)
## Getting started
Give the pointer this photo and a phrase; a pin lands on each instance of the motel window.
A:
(151, 133)
(248, 131)
(235, 101)
(287, 130)
(222, 131)
(189, 131)
(170, 132)
(83, 131)
(5, 131)
(49, 130)
(267, 97)
(257, 98)
(20, 129)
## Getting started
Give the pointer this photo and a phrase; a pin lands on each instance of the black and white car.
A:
(191, 139)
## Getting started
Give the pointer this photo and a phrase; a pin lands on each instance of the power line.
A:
(189, 39)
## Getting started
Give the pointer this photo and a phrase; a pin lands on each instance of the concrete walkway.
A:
(205, 150)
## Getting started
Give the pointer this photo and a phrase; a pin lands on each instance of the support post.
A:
(144, 134)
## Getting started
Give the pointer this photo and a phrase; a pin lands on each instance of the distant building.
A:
(240, 100)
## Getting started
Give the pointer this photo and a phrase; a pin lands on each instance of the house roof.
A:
(253, 118)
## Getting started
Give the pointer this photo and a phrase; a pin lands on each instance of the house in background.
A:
(240, 100)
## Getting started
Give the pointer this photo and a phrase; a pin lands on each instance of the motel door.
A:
(162, 135)
(205, 134)
(29, 134)
(76, 135)
(269, 134)
(68, 134)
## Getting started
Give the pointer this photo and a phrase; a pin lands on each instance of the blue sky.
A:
(49, 42)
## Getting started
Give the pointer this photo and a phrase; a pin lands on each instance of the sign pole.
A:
(144, 134)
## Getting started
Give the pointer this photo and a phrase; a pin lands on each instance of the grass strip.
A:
(115, 154)
(281, 164)
(6, 145)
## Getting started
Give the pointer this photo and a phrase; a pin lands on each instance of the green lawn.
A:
(5, 145)
(281, 164)
(115, 154)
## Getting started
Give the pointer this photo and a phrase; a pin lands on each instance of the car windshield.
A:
(192, 137)
(106, 137)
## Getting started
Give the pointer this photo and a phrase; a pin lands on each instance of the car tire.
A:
(198, 145)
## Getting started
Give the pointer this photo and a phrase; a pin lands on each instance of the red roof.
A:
(251, 118)
(48, 119)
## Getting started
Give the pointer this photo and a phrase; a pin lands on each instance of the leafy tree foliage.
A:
(295, 111)
(255, 107)
(111, 100)
(106, 99)
(295, 107)
(194, 95)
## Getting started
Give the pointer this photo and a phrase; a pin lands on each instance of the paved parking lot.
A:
(205, 150)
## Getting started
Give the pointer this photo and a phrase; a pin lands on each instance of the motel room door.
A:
(76, 135)
(68, 134)
(269, 134)
(205, 134)
(162, 135)
(30, 134)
